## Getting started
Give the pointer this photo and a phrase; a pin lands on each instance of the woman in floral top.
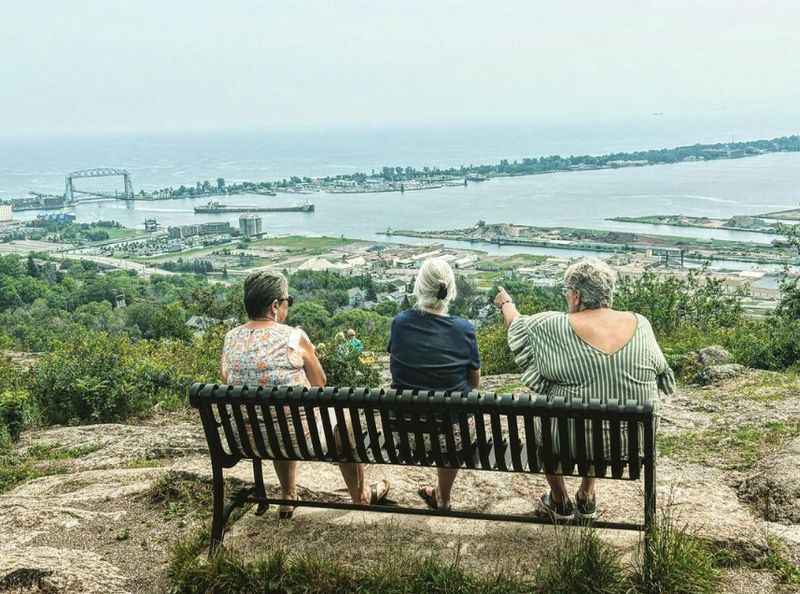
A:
(267, 352)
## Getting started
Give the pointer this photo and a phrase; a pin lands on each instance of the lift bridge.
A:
(70, 191)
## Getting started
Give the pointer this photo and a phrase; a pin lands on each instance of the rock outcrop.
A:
(775, 490)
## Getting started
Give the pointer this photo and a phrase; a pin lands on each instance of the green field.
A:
(299, 244)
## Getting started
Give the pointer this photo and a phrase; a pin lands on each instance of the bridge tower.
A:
(128, 185)
(68, 195)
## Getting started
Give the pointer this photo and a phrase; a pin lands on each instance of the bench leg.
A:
(218, 518)
(649, 511)
(261, 491)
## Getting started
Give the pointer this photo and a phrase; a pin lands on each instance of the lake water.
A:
(576, 199)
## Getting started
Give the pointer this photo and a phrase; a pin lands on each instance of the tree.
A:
(312, 317)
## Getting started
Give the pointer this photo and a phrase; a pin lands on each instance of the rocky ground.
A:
(113, 499)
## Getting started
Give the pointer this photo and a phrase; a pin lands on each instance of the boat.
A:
(217, 208)
(476, 178)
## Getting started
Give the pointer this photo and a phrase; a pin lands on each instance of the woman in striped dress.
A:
(593, 352)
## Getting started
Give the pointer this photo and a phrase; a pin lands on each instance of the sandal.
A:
(378, 496)
(429, 497)
(285, 512)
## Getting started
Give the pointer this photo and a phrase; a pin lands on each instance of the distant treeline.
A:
(526, 166)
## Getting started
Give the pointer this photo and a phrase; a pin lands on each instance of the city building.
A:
(219, 228)
(249, 225)
(150, 225)
(6, 213)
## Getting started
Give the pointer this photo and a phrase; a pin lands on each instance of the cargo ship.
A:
(217, 208)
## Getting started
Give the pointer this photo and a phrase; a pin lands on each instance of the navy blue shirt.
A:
(430, 352)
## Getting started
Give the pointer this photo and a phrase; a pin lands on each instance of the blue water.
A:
(576, 199)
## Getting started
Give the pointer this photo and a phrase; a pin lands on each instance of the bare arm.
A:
(311, 364)
(223, 370)
(506, 304)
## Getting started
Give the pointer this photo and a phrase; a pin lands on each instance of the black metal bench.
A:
(502, 433)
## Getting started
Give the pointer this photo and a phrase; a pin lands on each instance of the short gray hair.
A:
(261, 288)
(434, 279)
(594, 280)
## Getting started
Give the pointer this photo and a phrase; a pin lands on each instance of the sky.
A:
(96, 67)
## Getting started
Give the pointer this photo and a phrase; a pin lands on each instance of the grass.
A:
(37, 461)
(680, 563)
(581, 563)
(775, 559)
(181, 496)
(282, 572)
(577, 561)
(299, 244)
(730, 448)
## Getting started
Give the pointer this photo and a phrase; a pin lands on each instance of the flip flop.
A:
(285, 512)
(376, 496)
(430, 498)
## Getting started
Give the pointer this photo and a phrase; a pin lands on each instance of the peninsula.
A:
(611, 241)
(736, 223)
(407, 178)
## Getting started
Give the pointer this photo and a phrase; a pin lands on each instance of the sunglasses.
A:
(289, 300)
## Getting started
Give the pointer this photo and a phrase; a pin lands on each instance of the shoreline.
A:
(690, 251)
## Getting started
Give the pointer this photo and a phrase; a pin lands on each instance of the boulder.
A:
(775, 491)
(715, 374)
(713, 355)
(66, 571)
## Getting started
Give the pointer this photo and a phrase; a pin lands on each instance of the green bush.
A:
(345, 366)
(17, 411)
(372, 328)
(773, 343)
(496, 357)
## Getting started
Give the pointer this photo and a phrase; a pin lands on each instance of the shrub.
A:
(496, 357)
(372, 328)
(345, 366)
(671, 303)
(773, 343)
(17, 411)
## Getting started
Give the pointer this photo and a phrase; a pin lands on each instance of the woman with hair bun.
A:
(432, 350)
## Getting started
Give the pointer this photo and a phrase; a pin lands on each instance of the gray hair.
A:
(594, 280)
(435, 285)
(261, 289)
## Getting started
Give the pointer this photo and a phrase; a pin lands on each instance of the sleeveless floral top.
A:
(264, 356)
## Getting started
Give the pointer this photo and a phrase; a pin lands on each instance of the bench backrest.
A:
(513, 433)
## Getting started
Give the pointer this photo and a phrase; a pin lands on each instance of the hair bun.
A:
(442, 294)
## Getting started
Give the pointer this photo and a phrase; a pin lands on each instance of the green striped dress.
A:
(556, 362)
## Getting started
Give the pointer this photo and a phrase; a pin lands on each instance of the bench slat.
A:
(634, 458)
(299, 428)
(313, 431)
(255, 427)
(598, 449)
(372, 441)
(617, 464)
(269, 427)
(565, 454)
(225, 422)
(326, 406)
(499, 441)
(241, 429)
(581, 454)
(515, 444)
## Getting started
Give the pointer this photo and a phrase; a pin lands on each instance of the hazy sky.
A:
(69, 66)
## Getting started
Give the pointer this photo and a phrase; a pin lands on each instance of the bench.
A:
(506, 433)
